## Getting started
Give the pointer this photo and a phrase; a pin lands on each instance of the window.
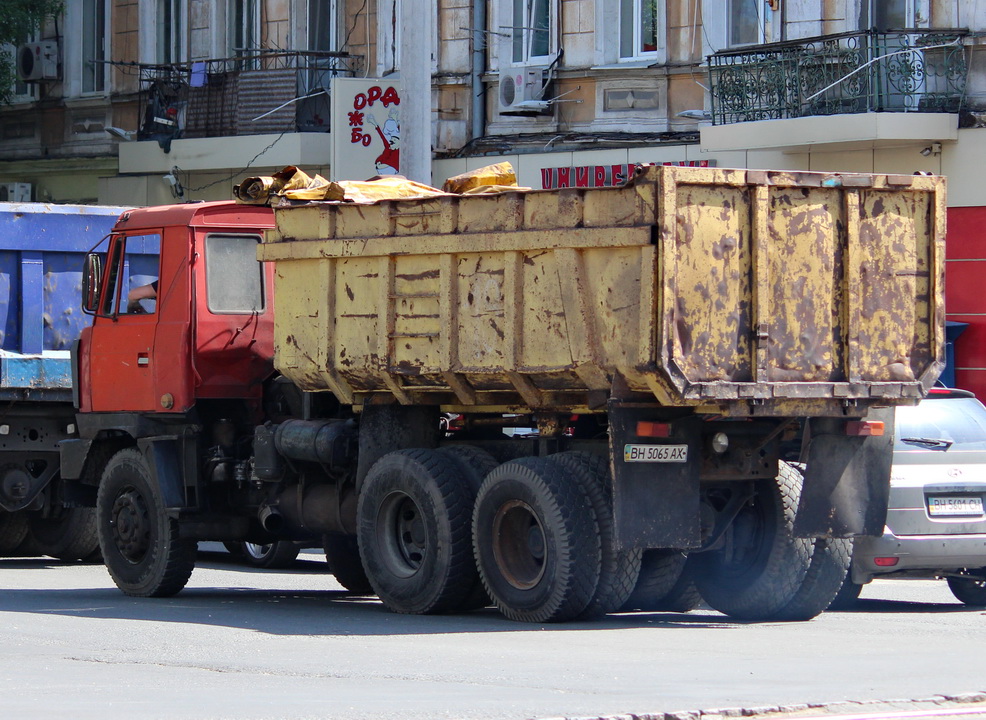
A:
(169, 31)
(745, 22)
(638, 28)
(322, 25)
(886, 14)
(93, 46)
(244, 26)
(234, 278)
(531, 29)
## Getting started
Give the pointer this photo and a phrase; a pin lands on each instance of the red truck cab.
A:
(209, 332)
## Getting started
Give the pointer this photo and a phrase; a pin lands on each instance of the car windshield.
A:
(952, 424)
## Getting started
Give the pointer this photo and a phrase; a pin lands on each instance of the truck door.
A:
(120, 377)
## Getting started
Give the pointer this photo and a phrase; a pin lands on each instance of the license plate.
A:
(945, 506)
(655, 453)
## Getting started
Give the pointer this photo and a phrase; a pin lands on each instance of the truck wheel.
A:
(969, 589)
(140, 543)
(278, 554)
(13, 530)
(342, 555)
(619, 569)
(413, 532)
(536, 541)
(665, 583)
(830, 559)
(761, 565)
(474, 464)
(69, 535)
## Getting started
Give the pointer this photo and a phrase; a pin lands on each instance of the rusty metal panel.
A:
(754, 292)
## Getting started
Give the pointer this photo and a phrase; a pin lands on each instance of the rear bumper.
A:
(917, 553)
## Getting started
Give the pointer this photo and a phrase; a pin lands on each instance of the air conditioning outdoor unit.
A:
(37, 61)
(15, 192)
(521, 91)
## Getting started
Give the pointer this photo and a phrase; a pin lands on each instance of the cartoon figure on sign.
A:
(389, 161)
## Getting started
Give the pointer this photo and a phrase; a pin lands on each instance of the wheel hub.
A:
(519, 544)
(402, 534)
(131, 525)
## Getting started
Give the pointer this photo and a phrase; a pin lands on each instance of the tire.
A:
(619, 569)
(969, 589)
(536, 542)
(847, 596)
(13, 530)
(474, 464)
(761, 565)
(342, 556)
(665, 584)
(413, 532)
(140, 543)
(234, 548)
(70, 535)
(827, 573)
(278, 554)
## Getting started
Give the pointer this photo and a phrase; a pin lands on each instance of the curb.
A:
(925, 707)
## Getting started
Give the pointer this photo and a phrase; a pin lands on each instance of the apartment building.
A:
(149, 101)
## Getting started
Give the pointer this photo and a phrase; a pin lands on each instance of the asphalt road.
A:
(241, 643)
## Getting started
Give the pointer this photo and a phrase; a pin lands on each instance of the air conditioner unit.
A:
(37, 61)
(15, 192)
(521, 91)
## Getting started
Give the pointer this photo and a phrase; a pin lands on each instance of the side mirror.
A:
(92, 273)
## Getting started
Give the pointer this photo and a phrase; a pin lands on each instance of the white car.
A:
(936, 524)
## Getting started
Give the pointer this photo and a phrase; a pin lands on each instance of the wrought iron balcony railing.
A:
(900, 71)
(251, 94)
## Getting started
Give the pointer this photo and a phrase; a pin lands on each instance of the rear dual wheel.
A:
(762, 571)
(536, 541)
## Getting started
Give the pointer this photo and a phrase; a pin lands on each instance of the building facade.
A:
(139, 102)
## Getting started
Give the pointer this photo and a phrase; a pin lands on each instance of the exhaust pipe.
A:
(271, 519)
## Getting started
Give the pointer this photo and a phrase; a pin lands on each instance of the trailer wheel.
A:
(536, 541)
(140, 543)
(665, 583)
(413, 532)
(13, 530)
(760, 565)
(342, 556)
(474, 464)
(69, 535)
(619, 569)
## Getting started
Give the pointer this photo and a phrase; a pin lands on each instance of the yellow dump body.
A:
(741, 291)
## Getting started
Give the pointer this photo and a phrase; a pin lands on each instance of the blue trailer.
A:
(42, 247)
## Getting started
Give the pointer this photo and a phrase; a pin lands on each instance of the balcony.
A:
(251, 94)
(906, 71)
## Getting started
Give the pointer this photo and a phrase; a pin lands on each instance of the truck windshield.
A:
(234, 276)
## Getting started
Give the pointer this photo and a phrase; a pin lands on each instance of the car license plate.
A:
(655, 453)
(946, 506)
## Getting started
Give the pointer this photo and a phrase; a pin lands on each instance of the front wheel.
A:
(969, 589)
(760, 565)
(140, 543)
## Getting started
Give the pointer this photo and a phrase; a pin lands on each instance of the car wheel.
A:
(278, 554)
(969, 589)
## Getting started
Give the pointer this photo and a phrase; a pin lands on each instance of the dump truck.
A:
(555, 402)
(41, 251)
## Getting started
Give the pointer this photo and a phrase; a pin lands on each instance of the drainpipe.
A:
(478, 112)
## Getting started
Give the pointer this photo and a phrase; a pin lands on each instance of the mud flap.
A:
(847, 480)
(655, 504)
(164, 458)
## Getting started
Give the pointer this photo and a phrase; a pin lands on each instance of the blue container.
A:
(41, 251)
